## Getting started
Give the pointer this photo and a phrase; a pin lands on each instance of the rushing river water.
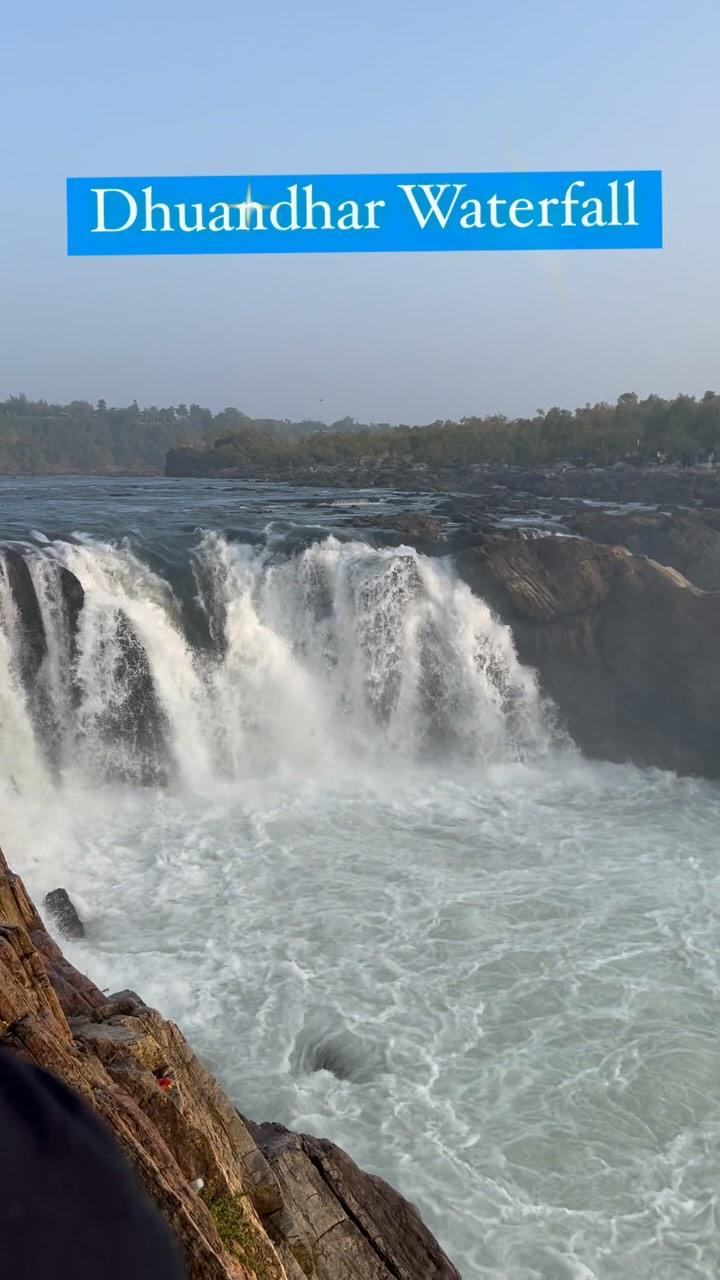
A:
(312, 807)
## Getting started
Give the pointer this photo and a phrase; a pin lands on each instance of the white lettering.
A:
(291, 205)
(593, 217)
(472, 219)
(521, 205)
(100, 193)
(310, 207)
(151, 209)
(220, 221)
(435, 210)
(569, 201)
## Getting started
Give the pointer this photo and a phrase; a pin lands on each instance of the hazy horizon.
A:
(396, 338)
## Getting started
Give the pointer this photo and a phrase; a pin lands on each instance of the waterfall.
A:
(338, 653)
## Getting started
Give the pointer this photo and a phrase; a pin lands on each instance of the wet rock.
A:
(62, 910)
(34, 640)
(132, 723)
(409, 528)
(626, 648)
(73, 596)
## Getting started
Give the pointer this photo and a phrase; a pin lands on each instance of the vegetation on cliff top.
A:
(683, 430)
(38, 438)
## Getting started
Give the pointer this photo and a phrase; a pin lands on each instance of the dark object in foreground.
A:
(70, 1205)
(62, 911)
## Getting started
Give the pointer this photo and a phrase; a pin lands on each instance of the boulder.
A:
(62, 910)
(626, 648)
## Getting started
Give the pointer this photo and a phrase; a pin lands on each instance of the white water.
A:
(372, 853)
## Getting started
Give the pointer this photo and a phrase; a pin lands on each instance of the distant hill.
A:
(37, 438)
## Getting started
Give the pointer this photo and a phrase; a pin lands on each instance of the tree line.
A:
(80, 438)
(684, 430)
(37, 437)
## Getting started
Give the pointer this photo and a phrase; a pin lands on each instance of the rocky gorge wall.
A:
(627, 648)
(619, 616)
(273, 1205)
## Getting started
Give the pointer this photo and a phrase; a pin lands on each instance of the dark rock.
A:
(626, 648)
(62, 910)
(621, 482)
(73, 596)
(408, 528)
(34, 641)
(687, 541)
(134, 725)
(340, 1223)
(417, 529)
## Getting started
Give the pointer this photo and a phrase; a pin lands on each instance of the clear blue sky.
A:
(383, 86)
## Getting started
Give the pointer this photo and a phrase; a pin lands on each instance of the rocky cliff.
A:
(627, 648)
(273, 1205)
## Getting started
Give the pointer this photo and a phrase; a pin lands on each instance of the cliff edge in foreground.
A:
(274, 1205)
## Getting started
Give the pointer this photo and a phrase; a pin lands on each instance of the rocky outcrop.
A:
(343, 1223)
(246, 1203)
(134, 720)
(63, 913)
(73, 598)
(32, 629)
(627, 648)
(619, 482)
(686, 541)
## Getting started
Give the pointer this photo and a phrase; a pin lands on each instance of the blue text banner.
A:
(609, 209)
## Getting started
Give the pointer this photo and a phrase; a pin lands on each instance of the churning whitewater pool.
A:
(383, 898)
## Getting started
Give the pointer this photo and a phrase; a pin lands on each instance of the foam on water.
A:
(388, 907)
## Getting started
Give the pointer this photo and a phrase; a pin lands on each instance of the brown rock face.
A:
(259, 1216)
(688, 542)
(626, 648)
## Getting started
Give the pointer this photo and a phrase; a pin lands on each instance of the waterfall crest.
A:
(339, 652)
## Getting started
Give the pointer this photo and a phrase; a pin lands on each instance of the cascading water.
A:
(338, 651)
(309, 803)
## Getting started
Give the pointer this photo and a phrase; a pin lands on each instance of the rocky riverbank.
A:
(626, 648)
(620, 483)
(246, 1201)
